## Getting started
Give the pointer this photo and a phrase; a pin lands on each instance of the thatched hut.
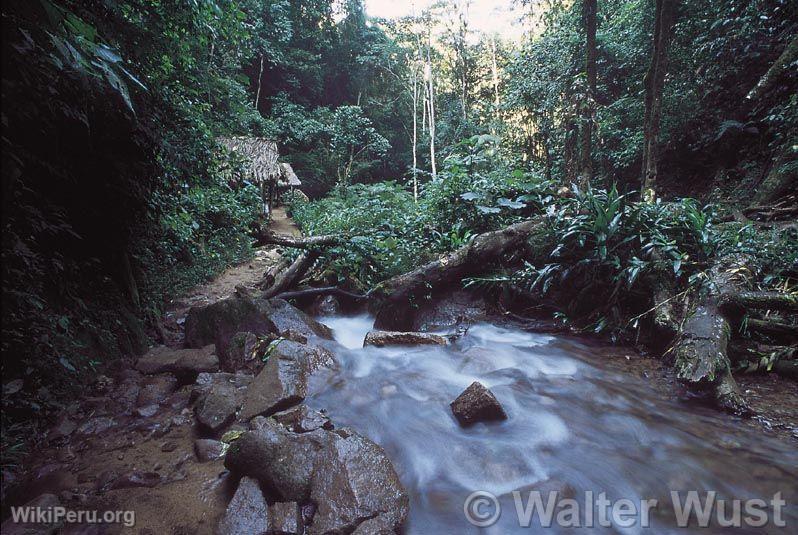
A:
(261, 167)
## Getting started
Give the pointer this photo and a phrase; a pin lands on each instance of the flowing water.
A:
(576, 424)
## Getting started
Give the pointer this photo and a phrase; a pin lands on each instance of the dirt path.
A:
(282, 224)
(130, 443)
(246, 274)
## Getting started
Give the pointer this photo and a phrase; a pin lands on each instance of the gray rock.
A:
(218, 406)
(300, 419)
(247, 513)
(44, 501)
(219, 322)
(353, 482)
(282, 461)
(181, 362)
(208, 449)
(135, 479)
(477, 404)
(96, 426)
(146, 411)
(348, 477)
(62, 429)
(396, 338)
(154, 390)
(283, 382)
(241, 353)
(285, 518)
(287, 317)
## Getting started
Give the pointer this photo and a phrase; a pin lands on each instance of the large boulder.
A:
(283, 382)
(450, 311)
(354, 482)
(300, 419)
(248, 512)
(219, 322)
(282, 461)
(348, 477)
(242, 353)
(184, 363)
(219, 396)
(285, 518)
(477, 404)
(397, 338)
(217, 408)
(287, 317)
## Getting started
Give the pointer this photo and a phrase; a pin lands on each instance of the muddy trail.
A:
(254, 417)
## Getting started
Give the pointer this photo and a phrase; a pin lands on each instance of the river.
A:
(578, 423)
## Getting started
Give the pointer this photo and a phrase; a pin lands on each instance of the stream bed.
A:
(578, 422)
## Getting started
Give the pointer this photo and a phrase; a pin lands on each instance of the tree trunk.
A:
(495, 77)
(570, 156)
(260, 78)
(654, 82)
(589, 108)
(396, 297)
(431, 101)
(415, 133)
(782, 178)
(700, 352)
(291, 276)
(781, 65)
(299, 243)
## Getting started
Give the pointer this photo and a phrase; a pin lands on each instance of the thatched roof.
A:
(287, 176)
(261, 153)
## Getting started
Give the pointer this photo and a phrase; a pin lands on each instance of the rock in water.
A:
(477, 404)
(287, 317)
(326, 305)
(185, 363)
(396, 338)
(283, 382)
(247, 513)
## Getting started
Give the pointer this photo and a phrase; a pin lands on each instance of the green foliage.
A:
(386, 232)
(477, 190)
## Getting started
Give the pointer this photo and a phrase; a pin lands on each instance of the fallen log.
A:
(292, 275)
(300, 242)
(700, 351)
(760, 300)
(395, 299)
(325, 290)
(268, 278)
(782, 332)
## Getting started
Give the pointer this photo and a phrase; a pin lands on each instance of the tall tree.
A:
(665, 12)
(430, 79)
(589, 9)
